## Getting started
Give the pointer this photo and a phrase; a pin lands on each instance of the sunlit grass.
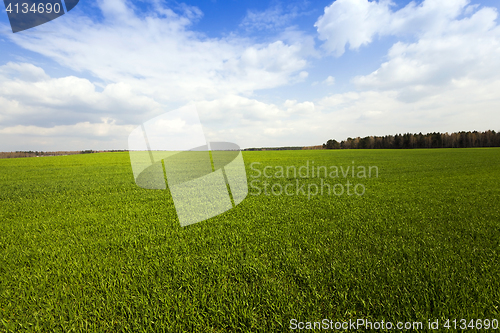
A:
(83, 248)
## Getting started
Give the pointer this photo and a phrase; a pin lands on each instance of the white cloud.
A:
(466, 104)
(252, 123)
(329, 81)
(274, 17)
(465, 48)
(352, 22)
(303, 74)
(160, 57)
(357, 22)
(105, 134)
(22, 71)
(44, 101)
(454, 41)
(293, 107)
(106, 128)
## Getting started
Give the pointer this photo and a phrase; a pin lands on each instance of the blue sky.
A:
(261, 73)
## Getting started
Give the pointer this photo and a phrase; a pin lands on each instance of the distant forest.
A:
(399, 141)
(429, 140)
(30, 153)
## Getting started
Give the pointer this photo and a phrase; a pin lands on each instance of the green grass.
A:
(84, 249)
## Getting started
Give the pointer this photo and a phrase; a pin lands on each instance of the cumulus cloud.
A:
(357, 22)
(38, 112)
(159, 56)
(23, 72)
(294, 107)
(106, 128)
(329, 81)
(352, 22)
(28, 96)
(469, 47)
(466, 104)
(452, 40)
(104, 134)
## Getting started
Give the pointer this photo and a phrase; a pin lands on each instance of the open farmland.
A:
(82, 248)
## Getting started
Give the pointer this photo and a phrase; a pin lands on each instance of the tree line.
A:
(273, 148)
(30, 153)
(430, 140)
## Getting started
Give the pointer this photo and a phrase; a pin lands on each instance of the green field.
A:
(82, 248)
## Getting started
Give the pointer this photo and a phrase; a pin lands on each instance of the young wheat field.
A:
(415, 238)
